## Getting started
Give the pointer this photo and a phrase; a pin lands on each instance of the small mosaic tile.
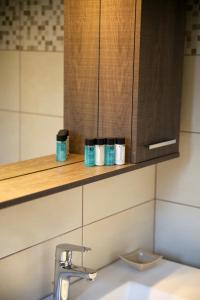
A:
(9, 25)
(192, 32)
(32, 25)
(42, 25)
(38, 25)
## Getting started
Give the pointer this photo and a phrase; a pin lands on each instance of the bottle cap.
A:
(110, 141)
(100, 141)
(89, 142)
(120, 141)
(62, 135)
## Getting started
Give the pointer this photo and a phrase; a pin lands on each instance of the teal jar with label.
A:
(89, 152)
(61, 145)
(109, 151)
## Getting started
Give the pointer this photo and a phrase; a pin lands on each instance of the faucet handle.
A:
(64, 253)
(71, 247)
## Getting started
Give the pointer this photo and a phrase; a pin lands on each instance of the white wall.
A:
(112, 216)
(178, 181)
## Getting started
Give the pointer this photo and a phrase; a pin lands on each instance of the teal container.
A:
(110, 152)
(61, 151)
(89, 153)
(61, 145)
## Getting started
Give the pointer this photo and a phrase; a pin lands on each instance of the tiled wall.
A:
(192, 43)
(31, 77)
(111, 216)
(178, 181)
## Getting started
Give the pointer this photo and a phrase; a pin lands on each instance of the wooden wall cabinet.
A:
(123, 74)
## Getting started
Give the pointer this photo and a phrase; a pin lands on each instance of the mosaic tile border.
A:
(32, 25)
(192, 33)
(9, 24)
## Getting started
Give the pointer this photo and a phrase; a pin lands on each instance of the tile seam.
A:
(30, 113)
(118, 213)
(41, 114)
(33, 51)
(40, 243)
(155, 196)
(178, 203)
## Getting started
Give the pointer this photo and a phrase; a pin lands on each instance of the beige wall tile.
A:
(38, 220)
(114, 194)
(190, 120)
(28, 275)
(9, 80)
(178, 179)
(9, 133)
(42, 83)
(177, 232)
(38, 135)
(118, 234)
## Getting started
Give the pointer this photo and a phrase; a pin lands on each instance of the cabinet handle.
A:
(162, 144)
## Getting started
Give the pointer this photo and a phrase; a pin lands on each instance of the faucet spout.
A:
(65, 270)
(61, 291)
(64, 276)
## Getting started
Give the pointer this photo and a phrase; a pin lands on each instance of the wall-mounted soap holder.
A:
(141, 259)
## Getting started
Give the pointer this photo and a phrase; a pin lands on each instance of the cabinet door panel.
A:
(160, 72)
(81, 70)
(116, 68)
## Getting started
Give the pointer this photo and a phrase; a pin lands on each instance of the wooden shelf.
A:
(25, 167)
(32, 186)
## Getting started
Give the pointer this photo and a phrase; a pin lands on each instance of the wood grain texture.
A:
(157, 96)
(68, 176)
(123, 73)
(35, 165)
(81, 70)
(29, 187)
(116, 69)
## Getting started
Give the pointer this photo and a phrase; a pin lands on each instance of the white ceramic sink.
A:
(166, 281)
(135, 291)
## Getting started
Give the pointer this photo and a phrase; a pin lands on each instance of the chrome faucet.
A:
(64, 270)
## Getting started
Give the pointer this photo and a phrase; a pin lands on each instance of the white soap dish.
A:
(141, 259)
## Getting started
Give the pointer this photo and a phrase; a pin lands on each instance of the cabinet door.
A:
(157, 96)
(81, 70)
(116, 68)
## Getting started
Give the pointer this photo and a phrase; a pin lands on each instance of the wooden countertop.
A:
(38, 184)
